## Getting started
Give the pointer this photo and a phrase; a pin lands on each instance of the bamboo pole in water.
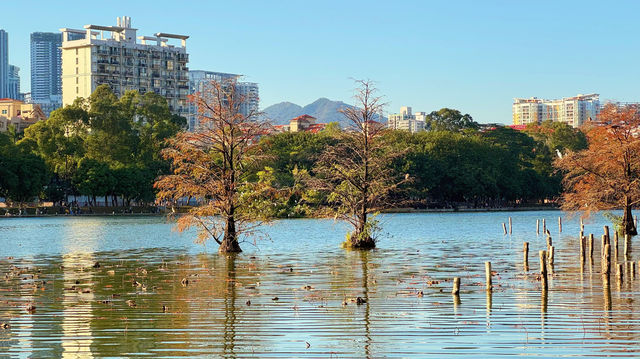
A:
(560, 224)
(606, 260)
(487, 270)
(525, 251)
(543, 269)
(620, 274)
(627, 246)
(615, 245)
(456, 286)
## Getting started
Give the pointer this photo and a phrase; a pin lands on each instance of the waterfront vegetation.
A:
(113, 150)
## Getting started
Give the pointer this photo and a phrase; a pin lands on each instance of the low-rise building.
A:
(303, 123)
(19, 114)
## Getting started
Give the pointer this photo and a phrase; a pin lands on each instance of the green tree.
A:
(22, 173)
(447, 119)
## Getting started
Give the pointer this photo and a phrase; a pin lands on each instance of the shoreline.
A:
(390, 211)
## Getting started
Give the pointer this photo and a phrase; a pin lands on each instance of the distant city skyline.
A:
(472, 56)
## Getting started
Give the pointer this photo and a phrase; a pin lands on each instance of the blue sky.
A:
(474, 56)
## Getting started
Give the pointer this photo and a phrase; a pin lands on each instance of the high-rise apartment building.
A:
(573, 111)
(13, 83)
(407, 121)
(46, 70)
(198, 80)
(112, 55)
(4, 63)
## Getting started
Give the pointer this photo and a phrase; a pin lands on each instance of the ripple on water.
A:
(136, 305)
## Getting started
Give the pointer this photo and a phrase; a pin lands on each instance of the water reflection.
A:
(172, 302)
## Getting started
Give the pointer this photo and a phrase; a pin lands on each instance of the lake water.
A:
(157, 294)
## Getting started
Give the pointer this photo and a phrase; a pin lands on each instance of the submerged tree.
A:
(211, 166)
(357, 171)
(606, 175)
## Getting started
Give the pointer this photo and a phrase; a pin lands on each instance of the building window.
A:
(4, 112)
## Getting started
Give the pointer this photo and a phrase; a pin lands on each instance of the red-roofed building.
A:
(301, 123)
(19, 114)
(518, 127)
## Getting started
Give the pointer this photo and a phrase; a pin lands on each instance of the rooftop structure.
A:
(112, 55)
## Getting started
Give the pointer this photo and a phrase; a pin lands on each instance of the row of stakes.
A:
(586, 247)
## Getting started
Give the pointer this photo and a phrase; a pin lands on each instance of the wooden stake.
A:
(543, 269)
(525, 251)
(544, 225)
(487, 270)
(620, 274)
(504, 228)
(627, 248)
(606, 260)
(549, 241)
(606, 233)
(581, 224)
(510, 226)
(456, 286)
(550, 259)
(560, 224)
(615, 244)
(603, 242)
(537, 226)
(590, 243)
(582, 248)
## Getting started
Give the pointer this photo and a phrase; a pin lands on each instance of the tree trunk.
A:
(360, 239)
(230, 241)
(628, 225)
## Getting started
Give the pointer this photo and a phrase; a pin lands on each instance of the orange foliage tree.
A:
(606, 175)
(211, 165)
(357, 172)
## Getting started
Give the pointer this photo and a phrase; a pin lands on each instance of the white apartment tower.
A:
(198, 81)
(573, 111)
(407, 121)
(112, 55)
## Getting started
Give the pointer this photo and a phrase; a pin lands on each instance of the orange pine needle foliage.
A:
(606, 175)
(210, 166)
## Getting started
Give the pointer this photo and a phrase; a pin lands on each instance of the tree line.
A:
(102, 147)
(109, 150)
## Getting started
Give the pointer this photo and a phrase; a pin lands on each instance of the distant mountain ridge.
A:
(323, 109)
